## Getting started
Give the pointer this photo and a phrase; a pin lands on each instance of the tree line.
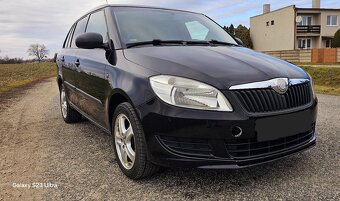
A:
(7, 60)
(241, 32)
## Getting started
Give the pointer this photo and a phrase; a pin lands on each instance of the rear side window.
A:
(80, 29)
(68, 38)
(97, 24)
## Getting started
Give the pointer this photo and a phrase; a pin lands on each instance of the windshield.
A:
(146, 24)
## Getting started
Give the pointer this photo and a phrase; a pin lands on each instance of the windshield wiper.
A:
(216, 42)
(155, 42)
(158, 42)
(197, 42)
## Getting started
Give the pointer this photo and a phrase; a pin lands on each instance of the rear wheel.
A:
(69, 114)
(129, 144)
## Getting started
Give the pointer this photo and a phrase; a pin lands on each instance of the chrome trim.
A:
(83, 92)
(268, 84)
(297, 81)
(69, 85)
(88, 95)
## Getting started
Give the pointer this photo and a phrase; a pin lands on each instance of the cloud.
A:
(25, 22)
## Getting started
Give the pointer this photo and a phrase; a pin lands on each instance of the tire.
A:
(69, 114)
(128, 138)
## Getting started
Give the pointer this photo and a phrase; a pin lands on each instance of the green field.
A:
(14, 76)
(326, 79)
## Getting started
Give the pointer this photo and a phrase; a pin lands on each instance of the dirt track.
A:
(37, 146)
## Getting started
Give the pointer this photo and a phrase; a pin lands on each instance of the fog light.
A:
(236, 131)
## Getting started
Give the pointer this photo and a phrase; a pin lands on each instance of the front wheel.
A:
(129, 144)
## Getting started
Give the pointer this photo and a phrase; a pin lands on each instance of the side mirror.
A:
(90, 41)
(239, 41)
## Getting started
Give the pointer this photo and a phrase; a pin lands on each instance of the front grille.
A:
(249, 148)
(267, 100)
(188, 146)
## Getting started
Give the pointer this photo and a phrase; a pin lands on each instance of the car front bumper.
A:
(179, 137)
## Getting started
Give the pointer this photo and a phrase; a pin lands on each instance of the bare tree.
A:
(39, 51)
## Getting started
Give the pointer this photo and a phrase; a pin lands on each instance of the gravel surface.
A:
(37, 146)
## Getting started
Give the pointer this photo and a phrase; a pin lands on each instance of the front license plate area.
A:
(272, 128)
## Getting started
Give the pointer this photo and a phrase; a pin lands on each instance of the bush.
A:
(7, 60)
(336, 40)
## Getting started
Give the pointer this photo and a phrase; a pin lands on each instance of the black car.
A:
(175, 90)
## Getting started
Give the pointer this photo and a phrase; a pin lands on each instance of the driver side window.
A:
(97, 24)
(80, 29)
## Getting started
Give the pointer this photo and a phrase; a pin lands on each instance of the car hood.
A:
(221, 66)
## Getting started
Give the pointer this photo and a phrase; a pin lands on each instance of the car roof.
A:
(136, 6)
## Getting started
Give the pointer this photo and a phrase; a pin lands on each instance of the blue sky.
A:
(25, 22)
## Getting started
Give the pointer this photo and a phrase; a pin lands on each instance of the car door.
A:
(90, 77)
(68, 58)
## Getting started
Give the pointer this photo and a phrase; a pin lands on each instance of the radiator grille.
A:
(267, 100)
(248, 148)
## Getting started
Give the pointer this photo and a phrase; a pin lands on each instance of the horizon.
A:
(24, 23)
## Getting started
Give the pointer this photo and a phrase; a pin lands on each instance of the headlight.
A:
(188, 93)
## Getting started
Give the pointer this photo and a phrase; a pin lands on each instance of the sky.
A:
(23, 22)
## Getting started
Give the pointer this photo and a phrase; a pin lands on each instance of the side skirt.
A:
(89, 118)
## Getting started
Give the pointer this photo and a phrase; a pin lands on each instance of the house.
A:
(292, 28)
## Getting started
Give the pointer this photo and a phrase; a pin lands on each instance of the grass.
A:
(15, 76)
(326, 79)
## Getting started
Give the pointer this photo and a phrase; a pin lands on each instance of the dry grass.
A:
(14, 76)
(326, 79)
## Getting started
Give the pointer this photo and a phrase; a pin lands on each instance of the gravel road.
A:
(37, 146)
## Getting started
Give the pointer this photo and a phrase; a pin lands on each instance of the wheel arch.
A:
(59, 81)
(117, 97)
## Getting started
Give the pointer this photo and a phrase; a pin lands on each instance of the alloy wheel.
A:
(63, 103)
(124, 141)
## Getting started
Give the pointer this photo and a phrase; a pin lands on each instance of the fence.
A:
(326, 55)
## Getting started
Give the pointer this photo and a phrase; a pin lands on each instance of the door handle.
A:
(77, 63)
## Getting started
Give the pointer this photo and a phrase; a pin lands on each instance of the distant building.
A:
(291, 28)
